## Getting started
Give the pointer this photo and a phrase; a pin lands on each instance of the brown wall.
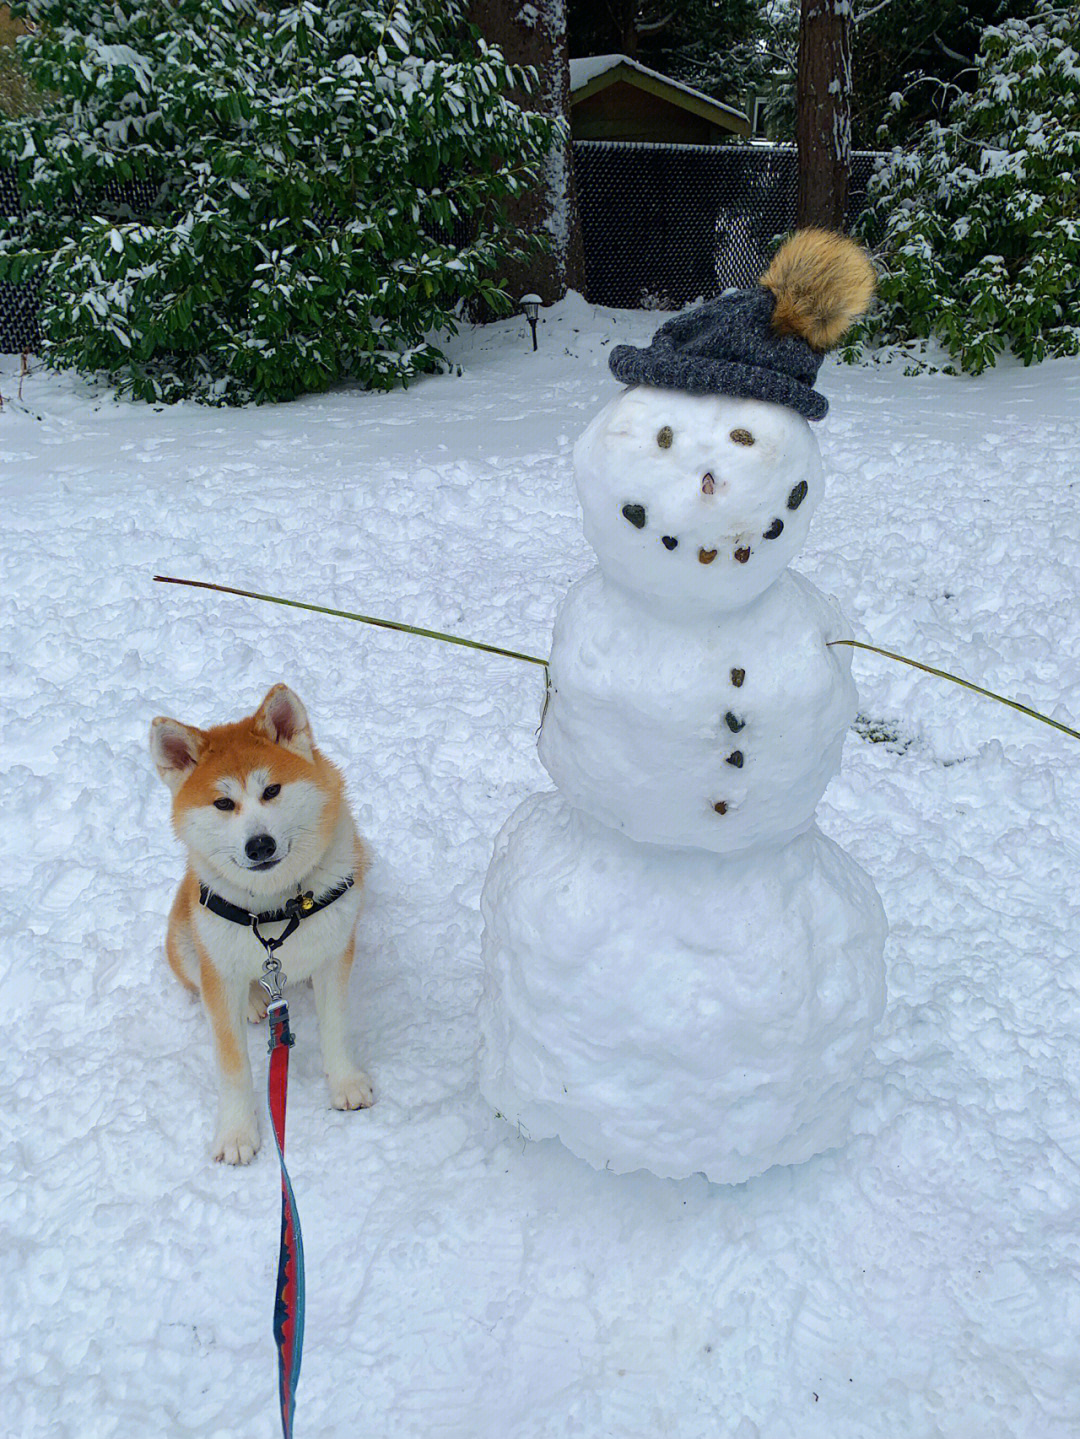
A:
(624, 112)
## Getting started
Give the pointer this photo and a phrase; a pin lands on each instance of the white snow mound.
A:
(696, 503)
(652, 724)
(671, 1009)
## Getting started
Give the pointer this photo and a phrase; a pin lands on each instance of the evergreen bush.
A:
(301, 170)
(978, 225)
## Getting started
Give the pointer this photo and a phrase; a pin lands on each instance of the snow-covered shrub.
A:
(978, 226)
(299, 170)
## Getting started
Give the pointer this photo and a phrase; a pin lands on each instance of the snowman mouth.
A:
(638, 516)
(741, 553)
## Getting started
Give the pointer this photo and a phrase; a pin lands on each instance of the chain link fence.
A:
(662, 225)
(19, 304)
(666, 224)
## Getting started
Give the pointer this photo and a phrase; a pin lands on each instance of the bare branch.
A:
(653, 27)
(862, 15)
(946, 50)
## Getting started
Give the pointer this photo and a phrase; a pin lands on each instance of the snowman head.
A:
(696, 503)
(698, 483)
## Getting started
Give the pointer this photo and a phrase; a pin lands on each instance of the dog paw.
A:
(352, 1091)
(238, 1144)
(257, 1003)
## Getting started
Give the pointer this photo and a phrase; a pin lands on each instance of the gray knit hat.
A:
(728, 347)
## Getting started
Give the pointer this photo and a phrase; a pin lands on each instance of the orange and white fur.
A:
(264, 817)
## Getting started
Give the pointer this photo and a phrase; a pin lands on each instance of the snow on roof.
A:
(588, 67)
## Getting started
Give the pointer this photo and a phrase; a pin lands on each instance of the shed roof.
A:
(592, 73)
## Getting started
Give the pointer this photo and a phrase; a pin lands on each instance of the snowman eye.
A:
(742, 437)
(665, 437)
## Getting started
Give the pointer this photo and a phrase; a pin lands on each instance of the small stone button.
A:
(670, 542)
(635, 514)
(775, 530)
(720, 807)
(734, 723)
(798, 494)
(742, 555)
(737, 677)
(665, 437)
(736, 758)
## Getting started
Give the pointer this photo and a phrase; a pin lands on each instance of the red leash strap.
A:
(289, 1302)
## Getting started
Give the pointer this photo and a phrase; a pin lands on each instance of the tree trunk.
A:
(627, 16)
(528, 34)
(823, 121)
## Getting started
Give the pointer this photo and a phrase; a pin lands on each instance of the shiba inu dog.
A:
(269, 837)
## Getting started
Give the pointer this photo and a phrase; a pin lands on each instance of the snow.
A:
(760, 472)
(587, 67)
(922, 1280)
(669, 1009)
(652, 1006)
(647, 730)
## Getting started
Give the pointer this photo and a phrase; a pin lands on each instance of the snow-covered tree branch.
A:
(321, 185)
(979, 224)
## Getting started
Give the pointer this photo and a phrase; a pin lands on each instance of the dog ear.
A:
(283, 719)
(176, 749)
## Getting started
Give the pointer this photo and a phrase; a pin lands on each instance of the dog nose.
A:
(260, 847)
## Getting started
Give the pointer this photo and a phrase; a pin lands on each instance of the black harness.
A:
(301, 906)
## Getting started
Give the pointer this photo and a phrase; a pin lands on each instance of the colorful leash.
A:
(289, 1300)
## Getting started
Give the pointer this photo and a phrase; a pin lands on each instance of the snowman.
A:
(681, 972)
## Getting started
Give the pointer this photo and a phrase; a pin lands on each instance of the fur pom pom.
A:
(822, 283)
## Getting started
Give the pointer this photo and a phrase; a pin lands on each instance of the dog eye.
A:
(224, 803)
(271, 791)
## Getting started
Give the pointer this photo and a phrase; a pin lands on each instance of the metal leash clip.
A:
(273, 980)
(272, 983)
(277, 1011)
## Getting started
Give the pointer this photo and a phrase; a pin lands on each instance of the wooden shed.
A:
(614, 98)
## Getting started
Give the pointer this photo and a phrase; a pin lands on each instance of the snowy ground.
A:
(462, 1282)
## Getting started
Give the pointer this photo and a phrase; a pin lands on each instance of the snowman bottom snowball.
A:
(670, 1009)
